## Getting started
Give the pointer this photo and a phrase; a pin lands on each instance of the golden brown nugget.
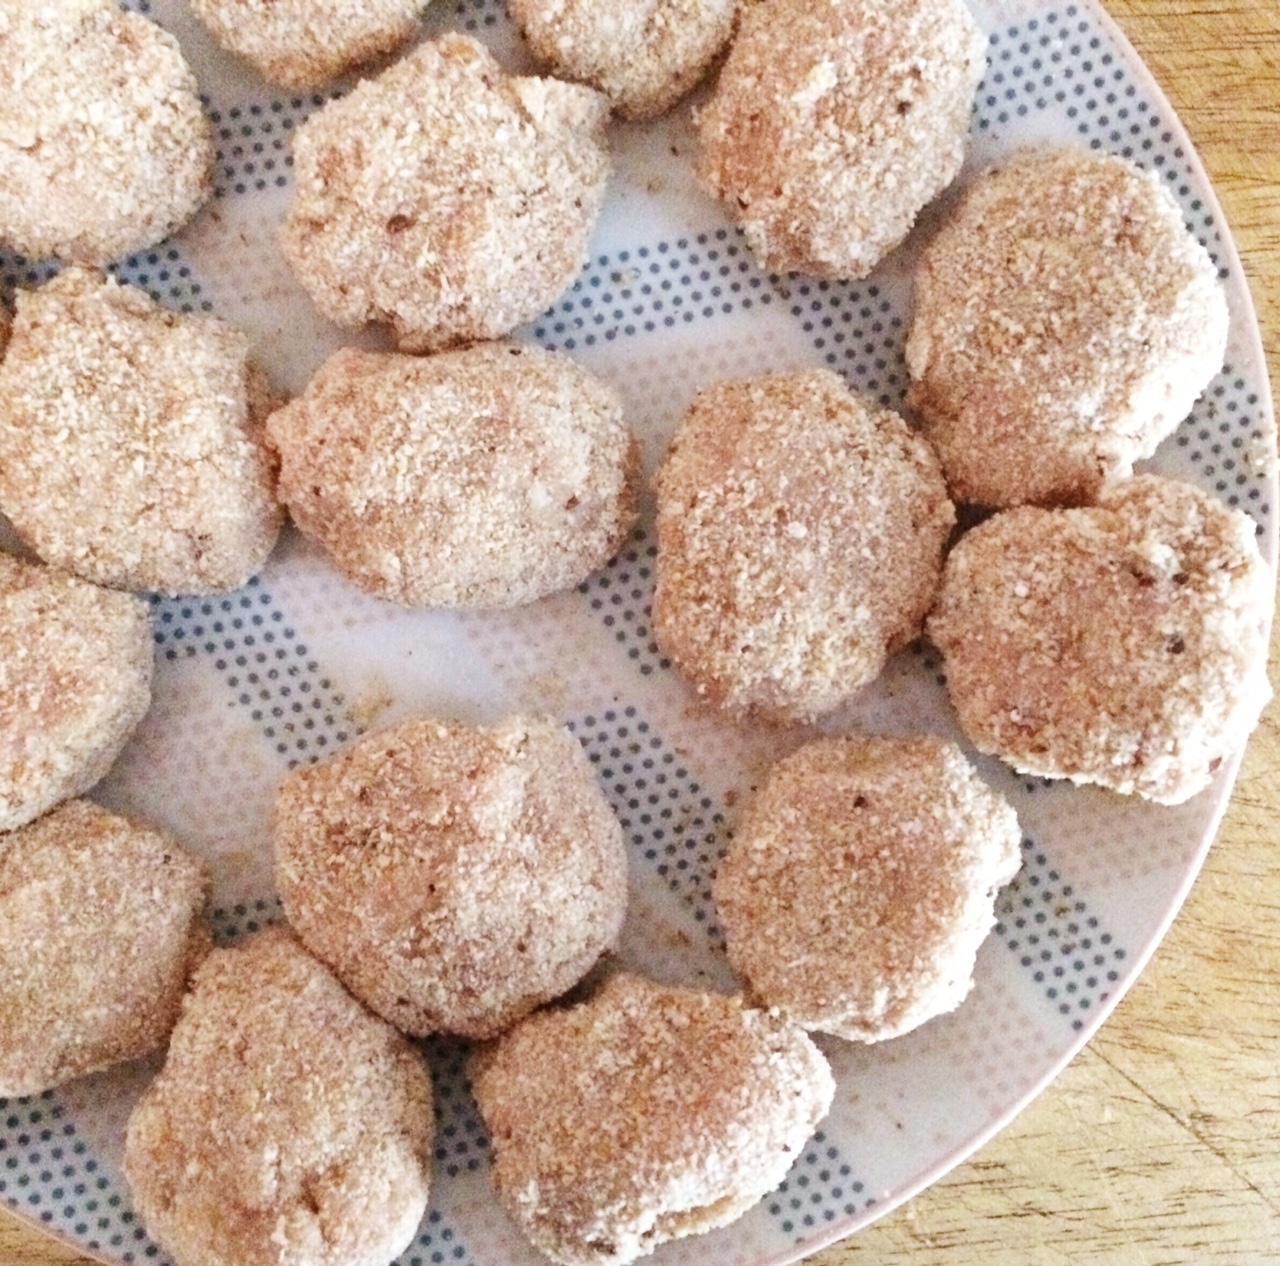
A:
(100, 928)
(834, 122)
(104, 147)
(861, 882)
(304, 43)
(75, 680)
(1123, 644)
(446, 197)
(800, 539)
(453, 877)
(643, 56)
(1065, 322)
(131, 443)
(644, 1115)
(482, 478)
(289, 1127)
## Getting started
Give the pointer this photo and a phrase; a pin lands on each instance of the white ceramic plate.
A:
(297, 663)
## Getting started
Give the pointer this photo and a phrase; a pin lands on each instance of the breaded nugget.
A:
(1065, 322)
(833, 124)
(304, 43)
(100, 927)
(6, 325)
(644, 56)
(446, 197)
(861, 881)
(131, 444)
(104, 147)
(482, 478)
(800, 539)
(644, 1115)
(288, 1126)
(1124, 644)
(454, 877)
(75, 680)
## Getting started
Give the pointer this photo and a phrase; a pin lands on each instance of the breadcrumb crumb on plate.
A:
(1065, 322)
(75, 680)
(131, 442)
(104, 146)
(454, 877)
(100, 927)
(644, 55)
(1123, 644)
(488, 477)
(832, 125)
(644, 1115)
(305, 43)
(861, 881)
(446, 197)
(800, 540)
(288, 1125)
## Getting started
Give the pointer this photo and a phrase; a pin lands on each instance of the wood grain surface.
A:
(1160, 1144)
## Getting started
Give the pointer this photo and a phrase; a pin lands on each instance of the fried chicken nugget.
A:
(1123, 644)
(100, 928)
(861, 882)
(454, 877)
(75, 680)
(644, 1115)
(104, 146)
(288, 1127)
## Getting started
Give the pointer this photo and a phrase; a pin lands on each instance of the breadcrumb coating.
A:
(1123, 644)
(861, 882)
(131, 443)
(644, 1115)
(104, 147)
(289, 1127)
(834, 122)
(1065, 322)
(446, 197)
(800, 539)
(644, 55)
(482, 478)
(454, 877)
(75, 680)
(100, 927)
(304, 43)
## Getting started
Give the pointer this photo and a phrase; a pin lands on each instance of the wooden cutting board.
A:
(1160, 1144)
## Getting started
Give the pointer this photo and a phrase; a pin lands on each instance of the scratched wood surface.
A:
(1160, 1144)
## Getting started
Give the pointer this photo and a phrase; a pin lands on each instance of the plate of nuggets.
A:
(620, 624)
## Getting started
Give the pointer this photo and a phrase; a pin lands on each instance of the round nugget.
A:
(304, 43)
(104, 148)
(644, 1115)
(1065, 322)
(1124, 644)
(643, 56)
(75, 680)
(482, 478)
(288, 1125)
(100, 927)
(445, 196)
(861, 882)
(454, 877)
(131, 444)
(833, 124)
(800, 539)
